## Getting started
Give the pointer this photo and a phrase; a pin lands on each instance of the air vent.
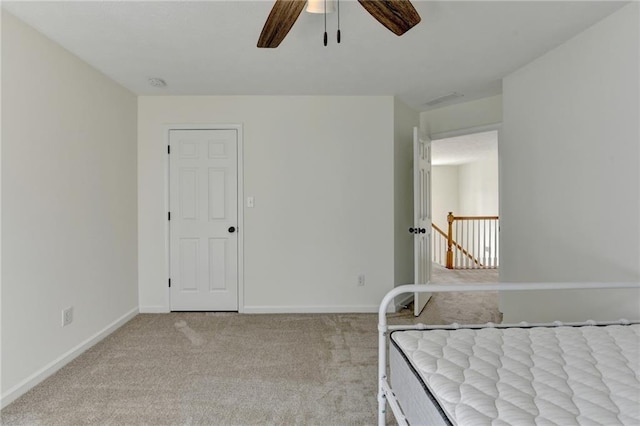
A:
(157, 82)
(444, 98)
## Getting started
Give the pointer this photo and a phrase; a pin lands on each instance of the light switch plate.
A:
(250, 202)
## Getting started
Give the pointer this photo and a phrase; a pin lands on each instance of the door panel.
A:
(422, 217)
(188, 193)
(217, 194)
(217, 263)
(188, 272)
(203, 202)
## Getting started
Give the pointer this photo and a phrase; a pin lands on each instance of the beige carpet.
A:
(231, 369)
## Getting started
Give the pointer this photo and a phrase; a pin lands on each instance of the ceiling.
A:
(209, 47)
(464, 149)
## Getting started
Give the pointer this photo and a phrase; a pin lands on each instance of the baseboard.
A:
(154, 310)
(31, 381)
(359, 309)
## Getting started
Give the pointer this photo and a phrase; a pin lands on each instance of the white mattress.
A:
(564, 375)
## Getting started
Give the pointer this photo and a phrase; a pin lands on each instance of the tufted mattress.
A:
(545, 375)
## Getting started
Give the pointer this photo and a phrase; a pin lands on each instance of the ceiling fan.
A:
(399, 16)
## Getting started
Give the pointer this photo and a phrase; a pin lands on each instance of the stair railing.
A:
(472, 242)
(439, 244)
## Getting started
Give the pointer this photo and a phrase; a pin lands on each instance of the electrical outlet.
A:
(67, 316)
(361, 280)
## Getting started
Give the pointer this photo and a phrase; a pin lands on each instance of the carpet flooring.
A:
(232, 369)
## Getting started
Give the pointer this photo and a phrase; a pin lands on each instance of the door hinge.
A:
(168, 149)
(168, 215)
(169, 282)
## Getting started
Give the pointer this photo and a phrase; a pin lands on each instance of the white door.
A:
(203, 195)
(421, 217)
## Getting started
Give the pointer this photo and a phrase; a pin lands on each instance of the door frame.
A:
(204, 126)
(467, 131)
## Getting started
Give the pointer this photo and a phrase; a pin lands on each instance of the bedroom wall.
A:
(68, 206)
(570, 174)
(321, 170)
(405, 119)
(478, 187)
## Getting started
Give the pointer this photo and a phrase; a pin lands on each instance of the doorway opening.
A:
(465, 203)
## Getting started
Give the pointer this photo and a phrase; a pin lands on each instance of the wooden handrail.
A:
(475, 217)
(466, 253)
(438, 230)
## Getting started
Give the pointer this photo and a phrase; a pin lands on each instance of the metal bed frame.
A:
(385, 393)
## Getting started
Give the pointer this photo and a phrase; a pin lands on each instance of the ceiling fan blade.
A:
(399, 16)
(282, 17)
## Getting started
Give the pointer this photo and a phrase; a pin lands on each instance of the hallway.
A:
(442, 275)
(463, 308)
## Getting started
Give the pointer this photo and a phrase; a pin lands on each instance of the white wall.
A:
(69, 206)
(405, 119)
(321, 171)
(570, 173)
(478, 188)
(469, 189)
(445, 195)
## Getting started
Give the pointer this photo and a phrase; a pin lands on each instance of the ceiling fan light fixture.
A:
(398, 16)
(317, 6)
